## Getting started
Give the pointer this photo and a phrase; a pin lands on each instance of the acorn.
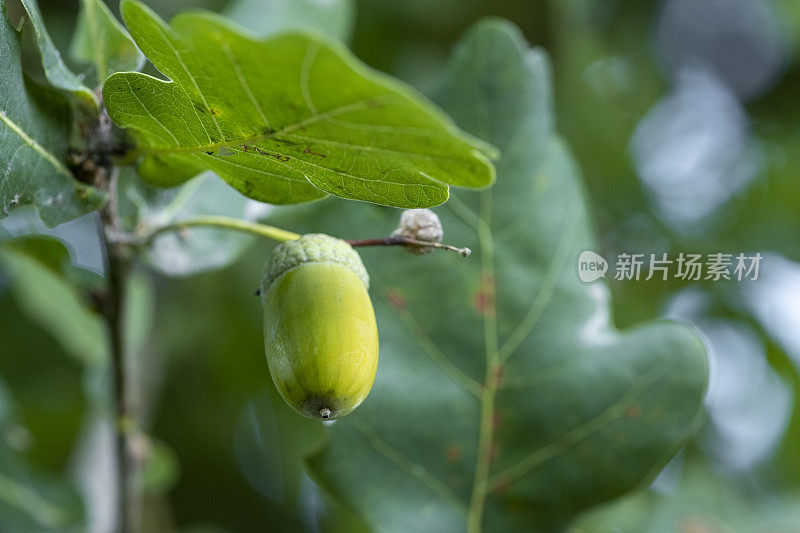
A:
(320, 334)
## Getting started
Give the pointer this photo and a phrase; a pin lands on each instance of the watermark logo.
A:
(591, 266)
(685, 266)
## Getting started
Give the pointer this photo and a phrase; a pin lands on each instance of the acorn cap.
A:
(311, 248)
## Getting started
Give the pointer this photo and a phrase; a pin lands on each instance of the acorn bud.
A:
(320, 334)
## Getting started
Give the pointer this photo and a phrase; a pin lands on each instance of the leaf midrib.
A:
(30, 141)
(199, 148)
(480, 486)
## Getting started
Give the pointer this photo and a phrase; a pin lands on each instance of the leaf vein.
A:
(27, 139)
(243, 81)
(546, 290)
(432, 349)
(312, 49)
(408, 466)
(577, 434)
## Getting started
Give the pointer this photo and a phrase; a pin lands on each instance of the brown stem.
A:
(399, 240)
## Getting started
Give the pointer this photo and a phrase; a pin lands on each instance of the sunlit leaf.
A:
(505, 398)
(284, 120)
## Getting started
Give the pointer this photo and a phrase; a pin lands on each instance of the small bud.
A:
(422, 225)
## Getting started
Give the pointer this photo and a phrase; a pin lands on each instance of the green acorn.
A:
(320, 334)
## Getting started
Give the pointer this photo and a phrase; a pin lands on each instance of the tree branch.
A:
(116, 273)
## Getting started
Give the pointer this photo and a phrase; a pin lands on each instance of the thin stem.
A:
(118, 267)
(213, 221)
(281, 235)
(408, 241)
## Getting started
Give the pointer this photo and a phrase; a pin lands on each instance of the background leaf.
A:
(81, 236)
(268, 17)
(101, 40)
(323, 124)
(269, 459)
(55, 70)
(505, 398)
(193, 250)
(34, 132)
(29, 499)
(56, 305)
(703, 500)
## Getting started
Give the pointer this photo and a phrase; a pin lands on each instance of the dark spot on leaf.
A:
(247, 188)
(213, 111)
(633, 411)
(199, 107)
(501, 486)
(493, 450)
(499, 372)
(484, 297)
(497, 420)
(696, 524)
(453, 453)
(309, 151)
(210, 152)
(396, 300)
(516, 505)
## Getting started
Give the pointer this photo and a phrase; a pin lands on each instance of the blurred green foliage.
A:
(203, 360)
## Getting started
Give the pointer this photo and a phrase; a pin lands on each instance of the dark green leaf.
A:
(272, 460)
(53, 303)
(55, 70)
(284, 120)
(505, 399)
(101, 40)
(34, 133)
(30, 500)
